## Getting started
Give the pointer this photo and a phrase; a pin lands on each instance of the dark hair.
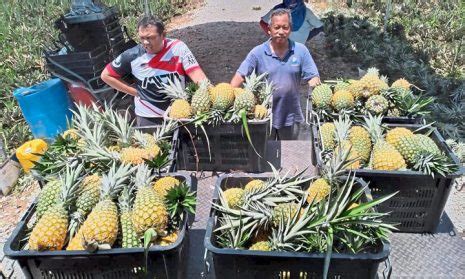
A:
(147, 20)
(280, 11)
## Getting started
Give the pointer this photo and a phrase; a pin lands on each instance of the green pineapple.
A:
(130, 238)
(245, 101)
(321, 96)
(201, 99)
(48, 196)
(377, 105)
(328, 135)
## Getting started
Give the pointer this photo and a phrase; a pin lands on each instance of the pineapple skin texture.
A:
(51, 230)
(401, 83)
(149, 211)
(136, 155)
(386, 157)
(409, 147)
(260, 112)
(261, 246)
(342, 99)
(48, 197)
(234, 197)
(130, 238)
(164, 184)
(328, 135)
(221, 88)
(75, 244)
(90, 194)
(180, 109)
(102, 223)
(393, 136)
(321, 96)
(245, 101)
(377, 104)
(318, 190)
(200, 102)
(167, 240)
(238, 91)
(285, 210)
(361, 142)
(254, 184)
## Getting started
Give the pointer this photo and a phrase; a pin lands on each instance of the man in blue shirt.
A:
(287, 63)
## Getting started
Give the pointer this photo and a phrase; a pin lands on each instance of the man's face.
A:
(150, 39)
(280, 28)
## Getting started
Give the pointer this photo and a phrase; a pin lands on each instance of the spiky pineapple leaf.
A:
(179, 199)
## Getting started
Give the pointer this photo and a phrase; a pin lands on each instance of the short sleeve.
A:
(309, 69)
(189, 63)
(121, 66)
(248, 65)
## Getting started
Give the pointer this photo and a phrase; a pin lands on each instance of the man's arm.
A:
(117, 83)
(237, 80)
(309, 70)
(197, 75)
(314, 81)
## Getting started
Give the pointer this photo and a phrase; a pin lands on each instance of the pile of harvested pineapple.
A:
(221, 102)
(371, 94)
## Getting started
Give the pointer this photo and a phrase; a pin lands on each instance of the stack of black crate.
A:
(90, 37)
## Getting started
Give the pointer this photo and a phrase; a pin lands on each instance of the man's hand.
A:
(314, 81)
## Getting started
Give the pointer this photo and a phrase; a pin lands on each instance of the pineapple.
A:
(164, 184)
(321, 96)
(342, 100)
(48, 196)
(361, 142)
(50, 232)
(101, 226)
(245, 101)
(394, 112)
(401, 83)
(393, 136)
(341, 85)
(201, 101)
(89, 197)
(149, 210)
(377, 104)
(222, 96)
(254, 185)
(136, 155)
(260, 112)
(130, 238)
(253, 83)
(318, 190)
(167, 240)
(384, 156)
(180, 108)
(77, 242)
(411, 146)
(238, 91)
(234, 197)
(261, 246)
(284, 212)
(328, 135)
(344, 144)
(370, 84)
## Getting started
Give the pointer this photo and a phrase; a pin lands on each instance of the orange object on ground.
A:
(27, 153)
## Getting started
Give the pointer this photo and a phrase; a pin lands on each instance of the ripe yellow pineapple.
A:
(77, 242)
(102, 224)
(342, 100)
(361, 142)
(384, 155)
(254, 184)
(233, 197)
(222, 96)
(261, 246)
(318, 190)
(149, 210)
(260, 112)
(89, 197)
(328, 135)
(168, 239)
(164, 184)
(50, 232)
(393, 136)
(136, 155)
(180, 109)
(238, 91)
(284, 211)
(401, 83)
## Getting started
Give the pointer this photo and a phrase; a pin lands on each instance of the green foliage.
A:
(420, 41)
(26, 27)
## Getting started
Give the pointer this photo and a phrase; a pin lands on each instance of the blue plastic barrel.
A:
(46, 107)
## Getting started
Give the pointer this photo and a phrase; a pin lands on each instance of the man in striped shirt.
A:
(155, 60)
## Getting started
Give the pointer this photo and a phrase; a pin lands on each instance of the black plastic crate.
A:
(421, 199)
(163, 261)
(244, 264)
(229, 147)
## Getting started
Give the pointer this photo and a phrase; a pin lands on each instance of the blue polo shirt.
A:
(286, 74)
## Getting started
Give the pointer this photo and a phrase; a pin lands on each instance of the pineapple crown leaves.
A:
(342, 128)
(143, 176)
(82, 117)
(120, 126)
(373, 124)
(71, 181)
(179, 199)
(174, 90)
(126, 198)
(253, 82)
(164, 131)
(235, 237)
(266, 93)
(115, 180)
(413, 105)
(432, 164)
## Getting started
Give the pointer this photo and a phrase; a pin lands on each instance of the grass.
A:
(26, 28)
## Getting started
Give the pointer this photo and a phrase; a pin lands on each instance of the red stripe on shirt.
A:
(191, 69)
(145, 105)
(160, 55)
(112, 71)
